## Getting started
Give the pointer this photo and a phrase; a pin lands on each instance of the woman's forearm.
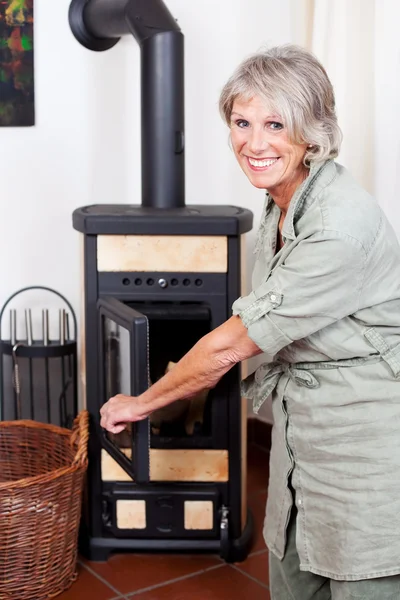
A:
(203, 366)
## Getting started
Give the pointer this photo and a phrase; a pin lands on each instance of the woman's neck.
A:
(282, 194)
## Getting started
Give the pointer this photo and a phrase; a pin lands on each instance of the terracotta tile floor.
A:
(184, 577)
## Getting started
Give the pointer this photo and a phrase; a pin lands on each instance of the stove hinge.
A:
(224, 533)
(106, 513)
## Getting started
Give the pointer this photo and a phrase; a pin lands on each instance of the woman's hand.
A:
(121, 410)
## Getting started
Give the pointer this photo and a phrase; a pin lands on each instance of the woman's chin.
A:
(259, 181)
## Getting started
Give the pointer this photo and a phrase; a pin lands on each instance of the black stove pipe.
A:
(98, 25)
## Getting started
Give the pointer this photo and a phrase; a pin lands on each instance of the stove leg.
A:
(236, 550)
(92, 551)
(98, 554)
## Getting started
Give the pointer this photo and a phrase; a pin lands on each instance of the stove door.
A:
(123, 360)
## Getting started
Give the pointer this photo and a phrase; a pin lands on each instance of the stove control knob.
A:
(163, 283)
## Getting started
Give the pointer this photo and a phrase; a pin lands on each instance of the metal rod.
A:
(28, 325)
(45, 334)
(13, 326)
(67, 326)
(68, 339)
(17, 397)
(31, 395)
(62, 342)
(16, 383)
(70, 379)
(62, 326)
(45, 326)
(75, 384)
(63, 407)
(47, 381)
(28, 319)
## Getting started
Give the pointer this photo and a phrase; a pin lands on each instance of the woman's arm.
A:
(201, 368)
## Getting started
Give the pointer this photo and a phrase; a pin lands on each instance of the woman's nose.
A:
(257, 142)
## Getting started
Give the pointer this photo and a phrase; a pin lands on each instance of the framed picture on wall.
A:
(17, 98)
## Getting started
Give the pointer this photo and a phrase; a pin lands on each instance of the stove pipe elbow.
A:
(98, 25)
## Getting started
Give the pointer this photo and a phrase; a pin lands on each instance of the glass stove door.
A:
(123, 342)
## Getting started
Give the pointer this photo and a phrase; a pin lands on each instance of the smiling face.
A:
(264, 151)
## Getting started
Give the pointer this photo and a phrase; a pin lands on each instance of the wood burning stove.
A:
(157, 277)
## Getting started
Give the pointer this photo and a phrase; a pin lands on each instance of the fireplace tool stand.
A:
(38, 377)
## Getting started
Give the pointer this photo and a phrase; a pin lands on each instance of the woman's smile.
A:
(261, 164)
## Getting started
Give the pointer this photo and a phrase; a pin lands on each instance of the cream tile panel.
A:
(131, 514)
(110, 469)
(189, 465)
(173, 465)
(198, 514)
(180, 253)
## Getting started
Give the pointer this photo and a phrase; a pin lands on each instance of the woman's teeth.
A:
(262, 163)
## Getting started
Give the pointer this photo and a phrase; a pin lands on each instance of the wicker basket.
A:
(42, 470)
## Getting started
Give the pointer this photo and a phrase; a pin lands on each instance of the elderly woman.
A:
(325, 310)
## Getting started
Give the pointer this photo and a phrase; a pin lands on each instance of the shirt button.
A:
(273, 298)
(299, 502)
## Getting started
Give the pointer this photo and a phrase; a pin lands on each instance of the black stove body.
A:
(157, 277)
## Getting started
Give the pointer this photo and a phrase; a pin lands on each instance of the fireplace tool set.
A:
(38, 376)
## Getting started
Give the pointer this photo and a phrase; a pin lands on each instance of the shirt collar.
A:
(320, 175)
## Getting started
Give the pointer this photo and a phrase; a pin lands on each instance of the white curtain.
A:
(358, 42)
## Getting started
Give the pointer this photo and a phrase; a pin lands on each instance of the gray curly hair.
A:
(295, 85)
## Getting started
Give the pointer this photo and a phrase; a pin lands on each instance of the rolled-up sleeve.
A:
(319, 283)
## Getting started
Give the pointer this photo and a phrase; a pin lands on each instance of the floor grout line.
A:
(120, 594)
(250, 577)
(257, 552)
(177, 579)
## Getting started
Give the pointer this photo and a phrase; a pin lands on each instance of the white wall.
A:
(85, 147)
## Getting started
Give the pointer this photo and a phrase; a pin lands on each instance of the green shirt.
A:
(325, 309)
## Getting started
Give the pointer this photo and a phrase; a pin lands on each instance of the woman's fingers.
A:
(118, 428)
(117, 413)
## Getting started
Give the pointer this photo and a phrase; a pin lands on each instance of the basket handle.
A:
(80, 436)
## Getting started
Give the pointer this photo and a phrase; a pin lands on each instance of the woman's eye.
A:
(242, 123)
(275, 125)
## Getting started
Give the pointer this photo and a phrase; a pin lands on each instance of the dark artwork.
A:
(16, 63)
